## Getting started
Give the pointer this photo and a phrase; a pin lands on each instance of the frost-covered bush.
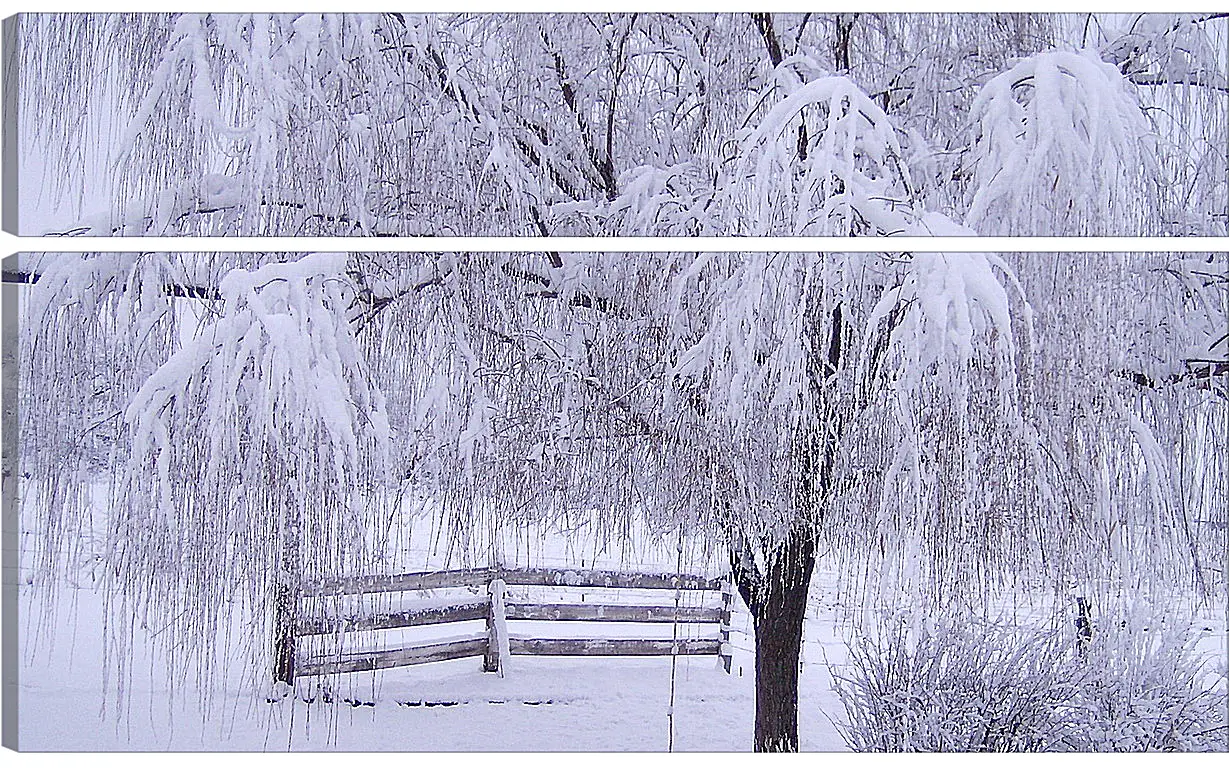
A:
(957, 688)
(984, 687)
(1145, 691)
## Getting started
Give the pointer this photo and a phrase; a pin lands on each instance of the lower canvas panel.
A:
(599, 501)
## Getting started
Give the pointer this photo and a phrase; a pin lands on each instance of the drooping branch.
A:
(363, 309)
(1210, 375)
(178, 290)
(471, 107)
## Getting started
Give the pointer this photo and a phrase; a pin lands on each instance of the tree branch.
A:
(747, 576)
(603, 167)
(1201, 374)
(1194, 80)
(763, 22)
(178, 290)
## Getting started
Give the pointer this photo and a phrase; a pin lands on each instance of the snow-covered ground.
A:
(541, 704)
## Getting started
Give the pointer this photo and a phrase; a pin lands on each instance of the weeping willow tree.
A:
(947, 423)
(665, 124)
(946, 428)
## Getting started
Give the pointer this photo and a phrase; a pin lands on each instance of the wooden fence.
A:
(496, 612)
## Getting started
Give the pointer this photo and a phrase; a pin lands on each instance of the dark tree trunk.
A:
(778, 600)
(776, 595)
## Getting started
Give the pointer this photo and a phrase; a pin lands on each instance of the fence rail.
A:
(399, 657)
(522, 577)
(620, 647)
(647, 614)
(402, 582)
(492, 609)
(436, 614)
(546, 577)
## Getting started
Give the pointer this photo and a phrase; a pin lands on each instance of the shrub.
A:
(1149, 691)
(988, 687)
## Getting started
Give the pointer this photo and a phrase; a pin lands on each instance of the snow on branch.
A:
(954, 305)
(1061, 147)
(823, 161)
(254, 454)
(286, 324)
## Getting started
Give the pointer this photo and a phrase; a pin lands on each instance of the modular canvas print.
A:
(714, 393)
(644, 124)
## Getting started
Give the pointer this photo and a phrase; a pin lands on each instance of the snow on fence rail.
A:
(495, 644)
(531, 577)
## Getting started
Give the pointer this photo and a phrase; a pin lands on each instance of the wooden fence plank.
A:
(727, 601)
(657, 614)
(578, 647)
(439, 614)
(400, 582)
(529, 577)
(550, 577)
(399, 657)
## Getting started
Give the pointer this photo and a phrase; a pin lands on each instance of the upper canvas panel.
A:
(620, 124)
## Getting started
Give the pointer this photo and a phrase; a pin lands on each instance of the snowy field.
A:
(542, 704)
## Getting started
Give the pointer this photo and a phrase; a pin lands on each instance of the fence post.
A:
(284, 639)
(1083, 624)
(286, 605)
(727, 597)
(496, 628)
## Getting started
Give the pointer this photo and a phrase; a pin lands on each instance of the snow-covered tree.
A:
(946, 422)
(647, 123)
